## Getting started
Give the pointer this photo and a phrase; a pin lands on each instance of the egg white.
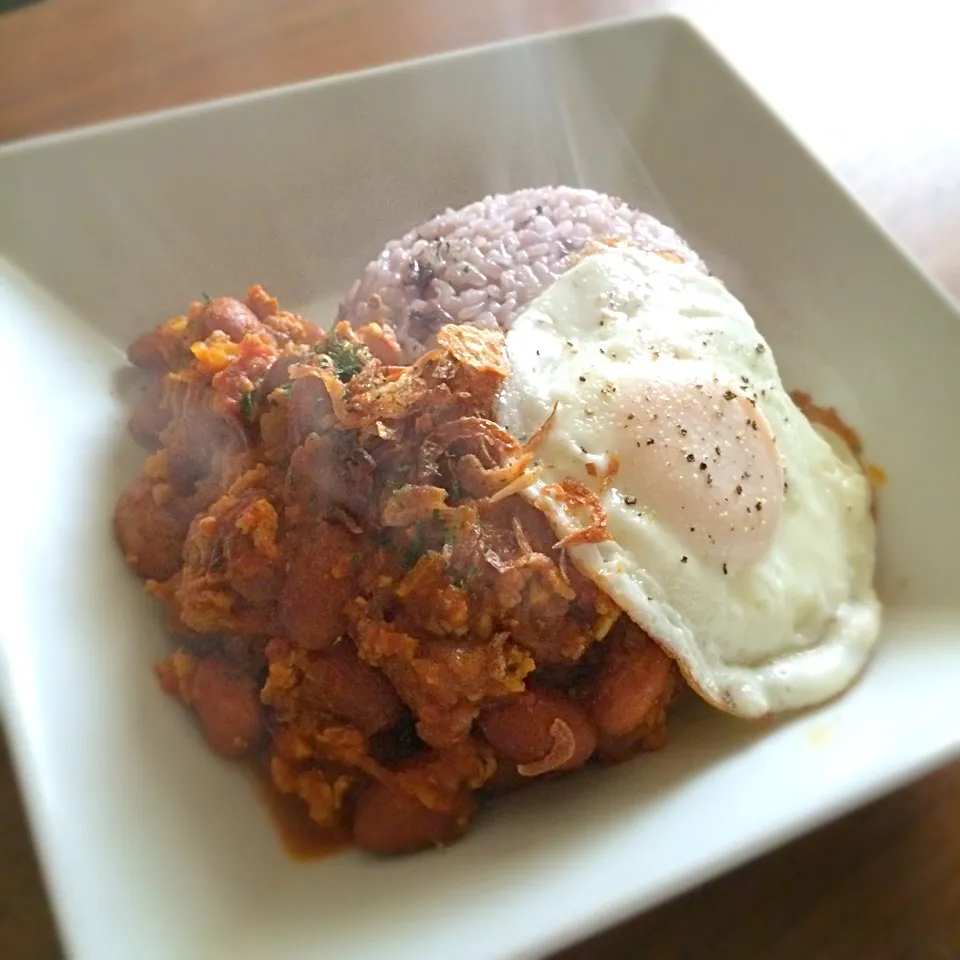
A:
(649, 365)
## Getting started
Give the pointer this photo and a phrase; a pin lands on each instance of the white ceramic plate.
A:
(155, 849)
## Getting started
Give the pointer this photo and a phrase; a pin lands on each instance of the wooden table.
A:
(883, 882)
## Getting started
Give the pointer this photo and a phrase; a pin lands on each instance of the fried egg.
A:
(739, 535)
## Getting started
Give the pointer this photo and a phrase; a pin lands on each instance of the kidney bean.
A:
(389, 821)
(345, 686)
(227, 315)
(149, 416)
(320, 580)
(635, 678)
(528, 728)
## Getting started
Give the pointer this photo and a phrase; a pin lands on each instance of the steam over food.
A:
(540, 479)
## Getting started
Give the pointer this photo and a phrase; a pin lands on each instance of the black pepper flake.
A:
(683, 431)
(760, 348)
(717, 449)
(739, 489)
(785, 486)
(709, 480)
(422, 275)
(630, 416)
(699, 386)
(582, 379)
(749, 510)
(630, 501)
(724, 569)
(693, 529)
(744, 380)
(759, 505)
(649, 442)
(729, 395)
(690, 458)
(683, 559)
(703, 466)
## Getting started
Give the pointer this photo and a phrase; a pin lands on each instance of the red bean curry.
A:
(362, 602)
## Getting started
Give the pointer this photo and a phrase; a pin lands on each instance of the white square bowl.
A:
(152, 847)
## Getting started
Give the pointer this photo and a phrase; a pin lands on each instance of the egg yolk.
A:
(700, 456)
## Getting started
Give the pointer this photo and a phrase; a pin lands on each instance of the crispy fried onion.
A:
(495, 442)
(361, 403)
(528, 559)
(388, 400)
(530, 474)
(563, 748)
(613, 468)
(473, 347)
(534, 442)
(522, 542)
(501, 470)
(577, 498)
(526, 479)
(495, 483)
(410, 504)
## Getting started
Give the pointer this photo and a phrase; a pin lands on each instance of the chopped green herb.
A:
(345, 357)
(456, 489)
(205, 297)
(247, 405)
